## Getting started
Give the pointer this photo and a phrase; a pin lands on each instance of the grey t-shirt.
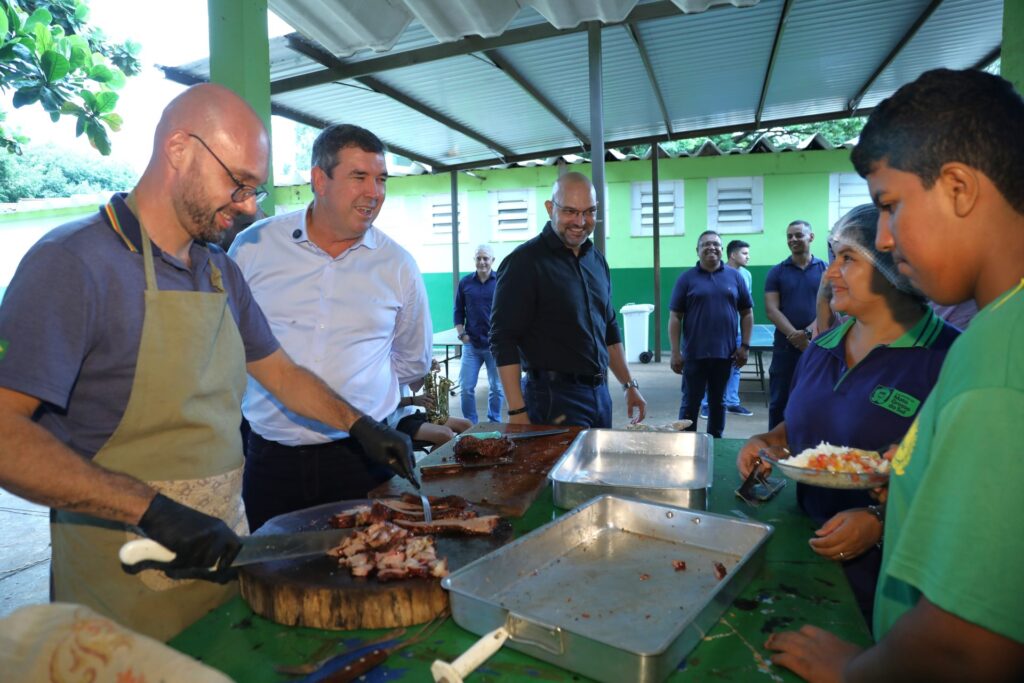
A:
(71, 321)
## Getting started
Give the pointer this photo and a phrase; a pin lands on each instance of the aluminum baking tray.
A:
(664, 467)
(596, 591)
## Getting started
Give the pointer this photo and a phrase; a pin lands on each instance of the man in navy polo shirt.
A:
(473, 325)
(704, 306)
(790, 293)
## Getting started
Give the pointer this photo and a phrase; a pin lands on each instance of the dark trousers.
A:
(780, 375)
(561, 403)
(711, 375)
(280, 479)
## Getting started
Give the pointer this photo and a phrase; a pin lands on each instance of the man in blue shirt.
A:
(790, 294)
(705, 302)
(738, 254)
(473, 325)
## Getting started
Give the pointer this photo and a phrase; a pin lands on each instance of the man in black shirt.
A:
(553, 317)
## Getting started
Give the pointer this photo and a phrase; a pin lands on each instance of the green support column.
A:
(240, 58)
(1012, 65)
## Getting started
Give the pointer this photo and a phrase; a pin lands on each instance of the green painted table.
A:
(794, 587)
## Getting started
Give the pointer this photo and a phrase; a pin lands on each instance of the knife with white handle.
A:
(255, 549)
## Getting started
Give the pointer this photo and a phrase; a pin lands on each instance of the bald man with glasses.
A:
(125, 339)
(553, 318)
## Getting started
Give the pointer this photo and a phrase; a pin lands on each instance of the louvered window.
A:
(439, 216)
(736, 204)
(670, 209)
(512, 214)
(845, 191)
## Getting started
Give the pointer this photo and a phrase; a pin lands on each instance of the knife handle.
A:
(144, 550)
(354, 670)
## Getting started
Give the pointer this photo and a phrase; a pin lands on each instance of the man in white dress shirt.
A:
(346, 302)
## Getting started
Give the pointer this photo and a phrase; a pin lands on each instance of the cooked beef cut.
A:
(391, 552)
(471, 449)
(474, 526)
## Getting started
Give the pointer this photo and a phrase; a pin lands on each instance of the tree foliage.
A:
(50, 171)
(50, 56)
(836, 132)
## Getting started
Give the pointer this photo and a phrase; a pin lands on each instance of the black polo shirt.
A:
(552, 309)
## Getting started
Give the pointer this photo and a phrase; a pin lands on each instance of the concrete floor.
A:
(24, 533)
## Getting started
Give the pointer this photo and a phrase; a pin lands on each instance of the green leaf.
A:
(89, 98)
(100, 73)
(4, 24)
(98, 137)
(105, 102)
(114, 121)
(26, 96)
(43, 38)
(117, 79)
(70, 108)
(81, 12)
(80, 126)
(55, 116)
(41, 17)
(50, 100)
(55, 66)
(14, 19)
(80, 59)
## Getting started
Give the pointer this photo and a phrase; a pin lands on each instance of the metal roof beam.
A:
(654, 139)
(320, 55)
(518, 36)
(646, 59)
(907, 37)
(987, 60)
(536, 94)
(779, 30)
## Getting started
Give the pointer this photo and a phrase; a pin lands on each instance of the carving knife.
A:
(255, 549)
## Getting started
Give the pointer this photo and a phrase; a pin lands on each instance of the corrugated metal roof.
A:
(443, 100)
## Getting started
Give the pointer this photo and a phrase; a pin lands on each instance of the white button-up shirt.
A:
(360, 321)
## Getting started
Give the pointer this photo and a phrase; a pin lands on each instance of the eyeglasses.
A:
(573, 214)
(242, 192)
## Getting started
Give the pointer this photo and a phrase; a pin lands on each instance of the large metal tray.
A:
(664, 467)
(596, 592)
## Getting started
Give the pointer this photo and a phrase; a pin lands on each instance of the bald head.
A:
(572, 208)
(210, 156)
(575, 180)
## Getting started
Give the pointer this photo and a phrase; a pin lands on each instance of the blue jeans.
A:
(558, 403)
(711, 375)
(732, 388)
(472, 359)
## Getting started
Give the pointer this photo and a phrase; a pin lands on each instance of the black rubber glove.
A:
(204, 546)
(386, 446)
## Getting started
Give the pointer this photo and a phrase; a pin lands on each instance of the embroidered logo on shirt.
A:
(3, 348)
(894, 400)
(905, 451)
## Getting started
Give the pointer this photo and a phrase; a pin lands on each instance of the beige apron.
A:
(179, 433)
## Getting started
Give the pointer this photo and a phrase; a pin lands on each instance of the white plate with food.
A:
(833, 467)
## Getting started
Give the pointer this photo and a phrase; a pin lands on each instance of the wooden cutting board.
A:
(315, 592)
(508, 489)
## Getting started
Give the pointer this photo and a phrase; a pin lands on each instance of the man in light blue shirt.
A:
(346, 302)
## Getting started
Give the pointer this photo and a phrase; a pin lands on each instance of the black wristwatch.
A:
(517, 411)
(745, 346)
(631, 384)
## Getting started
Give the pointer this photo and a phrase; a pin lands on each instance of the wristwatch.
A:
(879, 512)
(745, 346)
(631, 384)
(517, 411)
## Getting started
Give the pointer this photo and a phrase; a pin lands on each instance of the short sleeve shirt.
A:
(798, 292)
(709, 303)
(869, 406)
(71, 321)
(954, 509)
